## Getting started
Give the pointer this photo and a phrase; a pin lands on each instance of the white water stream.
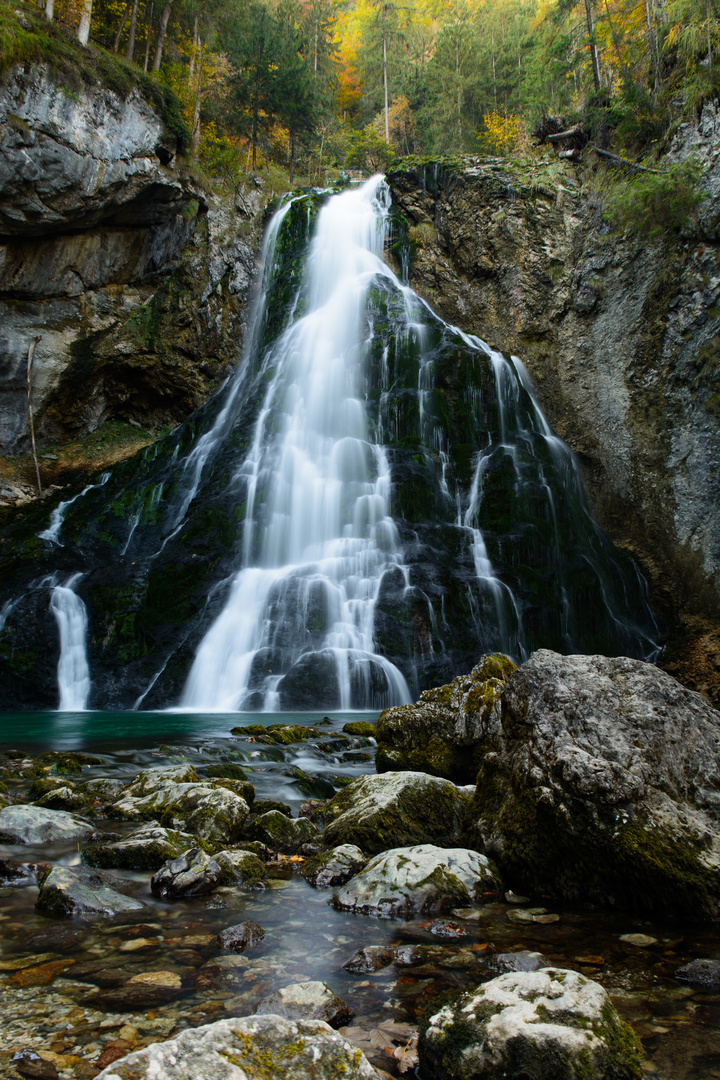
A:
(318, 530)
(73, 670)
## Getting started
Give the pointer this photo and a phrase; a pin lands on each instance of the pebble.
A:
(641, 940)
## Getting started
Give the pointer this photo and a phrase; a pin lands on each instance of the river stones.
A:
(240, 937)
(194, 873)
(375, 813)
(425, 879)
(334, 867)
(703, 974)
(228, 1049)
(240, 868)
(306, 1001)
(549, 1024)
(449, 728)
(146, 848)
(80, 891)
(522, 960)
(604, 786)
(370, 959)
(281, 833)
(209, 810)
(37, 825)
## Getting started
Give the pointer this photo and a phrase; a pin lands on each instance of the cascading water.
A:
(372, 501)
(73, 671)
(318, 531)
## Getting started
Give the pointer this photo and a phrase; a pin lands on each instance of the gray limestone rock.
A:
(449, 727)
(334, 867)
(77, 890)
(37, 825)
(281, 833)
(425, 879)
(396, 809)
(522, 960)
(605, 786)
(194, 873)
(146, 848)
(239, 1049)
(306, 1001)
(549, 1024)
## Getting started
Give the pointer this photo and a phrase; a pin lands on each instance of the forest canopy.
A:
(311, 85)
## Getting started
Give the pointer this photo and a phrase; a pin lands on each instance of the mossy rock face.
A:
(227, 771)
(603, 787)
(450, 728)
(147, 848)
(549, 1025)
(281, 833)
(397, 809)
(360, 727)
(240, 868)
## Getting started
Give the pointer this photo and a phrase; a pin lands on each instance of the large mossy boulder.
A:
(424, 880)
(450, 727)
(146, 848)
(38, 825)
(252, 1047)
(549, 1025)
(81, 892)
(604, 786)
(396, 809)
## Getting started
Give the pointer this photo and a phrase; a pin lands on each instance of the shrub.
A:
(650, 204)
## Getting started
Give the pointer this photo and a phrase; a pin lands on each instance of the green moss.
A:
(360, 727)
(226, 770)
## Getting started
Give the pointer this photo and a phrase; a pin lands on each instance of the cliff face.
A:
(133, 278)
(621, 337)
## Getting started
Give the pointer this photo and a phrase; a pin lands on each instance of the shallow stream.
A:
(71, 1022)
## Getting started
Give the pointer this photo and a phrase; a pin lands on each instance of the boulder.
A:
(450, 727)
(193, 873)
(418, 880)
(243, 936)
(148, 990)
(370, 959)
(604, 786)
(282, 833)
(334, 867)
(240, 868)
(548, 1025)
(702, 974)
(243, 1047)
(77, 890)
(65, 798)
(36, 825)
(306, 1001)
(177, 799)
(375, 813)
(522, 960)
(146, 848)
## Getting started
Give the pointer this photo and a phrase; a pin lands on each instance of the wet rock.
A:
(604, 786)
(361, 728)
(10, 871)
(146, 848)
(36, 825)
(177, 799)
(450, 728)
(313, 809)
(395, 809)
(642, 941)
(264, 806)
(194, 873)
(703, 974)
(144, 991)
(240, 868)
(550, 1024)
(334, 867)
(78, 890)
(425, 879)
(240, 937)
(371, 958)
(65, 798)
(39, 975)
(100, 974)
(282, 833)
(228, 770)
(35, 1068)
(103, 790)
(522, 960)
(301, 1049)
(306, 1001)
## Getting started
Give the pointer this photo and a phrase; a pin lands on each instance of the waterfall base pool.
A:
(59, 975)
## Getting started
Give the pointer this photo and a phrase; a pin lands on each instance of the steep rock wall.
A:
(132, 277)
(621, 337)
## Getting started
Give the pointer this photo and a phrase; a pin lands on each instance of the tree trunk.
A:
(593, 46)
(147, 38)
(193, 54)
(50, 10)
(85, 20)
(652, 44)
(195, 143)
(385, 84)
(130, 50)
(164, 20)
(254, 141)
(292, 157)
(116, 43)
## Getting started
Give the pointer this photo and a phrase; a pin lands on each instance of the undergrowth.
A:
(652, 204)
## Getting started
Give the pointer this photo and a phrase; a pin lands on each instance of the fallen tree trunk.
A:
(624, 161)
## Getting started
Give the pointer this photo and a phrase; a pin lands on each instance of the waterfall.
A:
(318, 530)
(73, 670)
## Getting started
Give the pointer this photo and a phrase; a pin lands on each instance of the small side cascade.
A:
(73, 670)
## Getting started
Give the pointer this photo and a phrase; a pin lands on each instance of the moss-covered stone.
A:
(360, 727)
